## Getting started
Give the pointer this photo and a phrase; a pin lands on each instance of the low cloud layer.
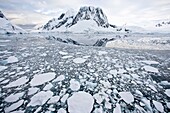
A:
(119, 12)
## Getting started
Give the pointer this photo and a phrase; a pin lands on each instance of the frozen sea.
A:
(80, 73)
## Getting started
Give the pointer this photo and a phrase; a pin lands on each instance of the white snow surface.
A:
(80, 102)
(18, 82)
(74, 85)
(40, 98)
(12, 59)
(127, 97)
(167, 92)
(79, 60)
(2, 68)
(158, 106)
(40, 79)
(14, 106)
(150, 69)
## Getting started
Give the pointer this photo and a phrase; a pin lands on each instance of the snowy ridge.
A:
(87, 20)
(6, 27)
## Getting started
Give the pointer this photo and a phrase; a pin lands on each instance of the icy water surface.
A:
(38, 74)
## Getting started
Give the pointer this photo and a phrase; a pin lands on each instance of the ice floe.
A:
(66, 57)
(40, 98)
(127, 97)
(14, 106)
(117, 109)
(59, 78)
(79, 60)
(80, 102)
(102, 52)
(150, 69)
(167, 92)
(149, 62)
(61, 110)
(74, 85)
(32, 91)
(14, 97)
(64, 98)
(158, 106)
(12, 59)
(40, 79)
(62, 53)
(18, 82)
(2, 68)
(54, 99)
(48, 86)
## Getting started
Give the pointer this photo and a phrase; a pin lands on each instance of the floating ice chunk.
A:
(40, 98)
(139, 93)
(12, 59)
(117, 109)
(3, 68)
(106, 84)
(14, 97)
(32, 91)
(59, 78)
(167, 92)
(61, 110)
(168, 104)
(74, 85)
(114, 72)
(158, 106)
(108, 105)
(62, 53)
(14, 106)
(18, 82)
(98, 97)
(127, 97)
(149, 62)
(53, 99)
(147, 104)
(48, 86)
(150, 69)
(80, 102)
(135, 76)
(102, 52)
(64, 98)
(79, 60)
(40, 79)
(5, 40)
(17, 111)
(66, 57)
(152, 87)
(98, 110)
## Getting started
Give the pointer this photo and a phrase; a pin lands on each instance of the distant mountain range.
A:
(6, 27)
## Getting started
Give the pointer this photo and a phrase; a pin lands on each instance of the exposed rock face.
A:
(96, 14)
(70, 18)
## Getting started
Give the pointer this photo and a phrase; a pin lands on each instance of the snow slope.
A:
(86, 20)
(6, 27)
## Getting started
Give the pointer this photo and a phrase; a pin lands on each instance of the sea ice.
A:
(80, 102)
(149, 62)
(12, 59)
(102, 52)
(64, 98)
(127, 97)
(14, 106)
(32, 91)
(54, 99)
(117, 109)
(14, 97)
(74, 85)
(40, 98)
(66, 57)
(158, 106)
(61, 110)
(59, 78)
(150, 69)
(62, 53)
(79, 60)
(3, 68)
(48, 86)
(167, 92)
(40, 79)
(18, 82)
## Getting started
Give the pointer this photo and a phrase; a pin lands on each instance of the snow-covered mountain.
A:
(6, 27)
(87, 19)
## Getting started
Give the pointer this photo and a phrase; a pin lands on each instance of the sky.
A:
(118, 12)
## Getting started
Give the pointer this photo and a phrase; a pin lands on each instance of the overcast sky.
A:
(119, 12)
